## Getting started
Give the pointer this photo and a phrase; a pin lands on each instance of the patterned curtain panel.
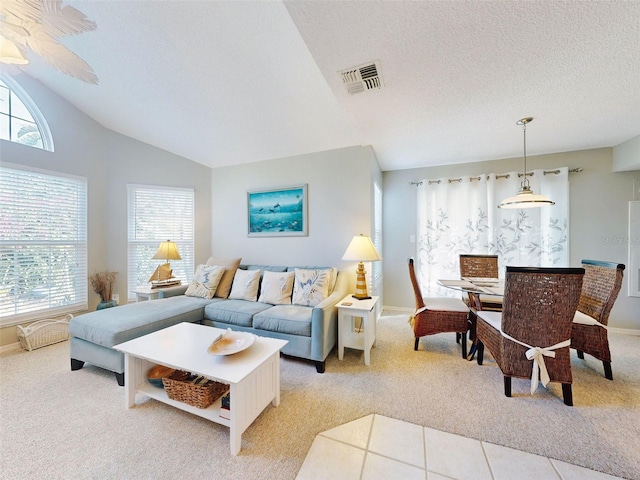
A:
(462, 216)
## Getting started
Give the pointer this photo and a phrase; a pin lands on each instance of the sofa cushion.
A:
(245, 285)
(112, 326)
(291, 319)
(205, 281)
(333, 275)
(235, 312)
(310, 287)
(277, 288)
(230, 266)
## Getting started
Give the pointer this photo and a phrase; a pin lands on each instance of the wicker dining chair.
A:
(600, 288)
(437, 315)
(532, 334)
(481, 266)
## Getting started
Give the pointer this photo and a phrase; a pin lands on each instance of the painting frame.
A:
(278, 212)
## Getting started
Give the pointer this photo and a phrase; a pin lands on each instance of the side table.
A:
(145, 292)
(364, 337)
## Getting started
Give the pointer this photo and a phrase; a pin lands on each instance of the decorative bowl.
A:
(231, 342)
(155, 374)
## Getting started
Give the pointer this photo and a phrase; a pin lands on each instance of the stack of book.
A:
(225, 406)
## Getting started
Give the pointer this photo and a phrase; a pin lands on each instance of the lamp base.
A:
(357, 297)
(164, 267)
(361, 283)
(162, 272)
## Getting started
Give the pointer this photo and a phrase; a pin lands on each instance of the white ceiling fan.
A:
(37, 25)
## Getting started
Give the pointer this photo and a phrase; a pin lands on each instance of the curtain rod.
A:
(506, 175)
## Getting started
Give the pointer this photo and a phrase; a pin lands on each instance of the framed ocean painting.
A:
(279, 212)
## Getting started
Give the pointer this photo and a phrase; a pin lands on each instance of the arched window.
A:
(20, 119)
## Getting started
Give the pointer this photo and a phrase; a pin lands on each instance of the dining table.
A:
(475, 288)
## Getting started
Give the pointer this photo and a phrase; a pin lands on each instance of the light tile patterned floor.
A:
(377, 447)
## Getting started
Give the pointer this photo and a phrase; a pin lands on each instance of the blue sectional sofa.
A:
(310, 331)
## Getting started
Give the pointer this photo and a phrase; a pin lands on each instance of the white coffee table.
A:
(252, 374)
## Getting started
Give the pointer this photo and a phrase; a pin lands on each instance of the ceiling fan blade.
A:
(27, 11)
(62, 59)
(61, 21)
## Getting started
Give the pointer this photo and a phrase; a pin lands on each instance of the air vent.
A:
(362, 78)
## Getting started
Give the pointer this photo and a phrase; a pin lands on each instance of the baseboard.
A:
(389, 309)
(624, 331)
(10, 347)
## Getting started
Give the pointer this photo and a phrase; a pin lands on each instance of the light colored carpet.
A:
(73, 425)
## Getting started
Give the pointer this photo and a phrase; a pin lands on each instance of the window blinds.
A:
(157, 214)
(377, 238)
(43, 244)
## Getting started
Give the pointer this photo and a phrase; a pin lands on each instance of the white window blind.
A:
(377, 238)
(157, 214)
(43, 244)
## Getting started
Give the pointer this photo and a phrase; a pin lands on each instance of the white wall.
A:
(131, 161)
(109, 161)
(598, 215)
(340, 189)
(340, 193)
(626, 156)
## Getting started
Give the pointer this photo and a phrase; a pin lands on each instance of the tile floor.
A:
(377, 447)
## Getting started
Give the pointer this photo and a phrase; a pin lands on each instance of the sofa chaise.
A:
(311, 331)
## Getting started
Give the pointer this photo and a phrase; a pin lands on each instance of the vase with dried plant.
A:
(102, 284)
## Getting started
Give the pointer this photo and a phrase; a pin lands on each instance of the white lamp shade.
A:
(525, 200)
(361, 249)
(167, 251)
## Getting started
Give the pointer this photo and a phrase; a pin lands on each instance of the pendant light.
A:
(525, 197)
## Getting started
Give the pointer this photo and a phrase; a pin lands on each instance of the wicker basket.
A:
(193, 390)
(44, 332)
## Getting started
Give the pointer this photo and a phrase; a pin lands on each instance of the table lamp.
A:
(166, 251)
(361, 249)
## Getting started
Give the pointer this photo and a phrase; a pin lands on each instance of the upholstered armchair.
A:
(600, 288)
(530, 338)
(437, 315)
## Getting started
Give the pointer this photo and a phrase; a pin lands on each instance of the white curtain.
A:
(462, 216)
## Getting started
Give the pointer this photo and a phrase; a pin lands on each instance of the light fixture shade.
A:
(525, 199)
(361, 249)
(10, 54)
(167, 251)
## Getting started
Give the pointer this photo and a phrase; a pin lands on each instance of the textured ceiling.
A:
(227, 82)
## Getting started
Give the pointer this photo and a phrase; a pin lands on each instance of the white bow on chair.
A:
(537, 354)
